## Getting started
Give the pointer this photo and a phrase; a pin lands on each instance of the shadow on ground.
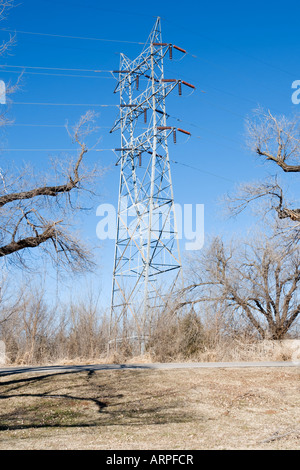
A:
(76, 399)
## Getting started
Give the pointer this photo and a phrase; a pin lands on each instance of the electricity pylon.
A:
(147, 263)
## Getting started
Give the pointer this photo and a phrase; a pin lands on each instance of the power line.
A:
(108, 127)
(203, 128)
(110, 77)
(112, 150)
(103, 9)
(49, 125)
(140, 43)
(69, 37)
(66, 104)
(53, 150)
(243, 75)
(219, 90)
(231, 48)
(57, 74)
(179, 26)
(61, 126)
(106, 150)
(36, 125)
(55, 68)
(251, 57)
(202, 171)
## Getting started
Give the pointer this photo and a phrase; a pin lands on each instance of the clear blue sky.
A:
(246, 55)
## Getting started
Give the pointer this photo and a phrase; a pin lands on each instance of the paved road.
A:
(183, 365)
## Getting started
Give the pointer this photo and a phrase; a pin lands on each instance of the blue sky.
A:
(241, 55)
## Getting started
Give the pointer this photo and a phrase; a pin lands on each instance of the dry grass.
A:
(152, 409)
(236, 350)
(246, 350)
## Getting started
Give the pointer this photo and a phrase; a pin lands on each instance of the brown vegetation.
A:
(151, 409)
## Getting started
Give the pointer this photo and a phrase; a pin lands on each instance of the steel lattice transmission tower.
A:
(147, 263)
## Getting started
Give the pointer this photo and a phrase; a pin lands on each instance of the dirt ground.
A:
(152, 409)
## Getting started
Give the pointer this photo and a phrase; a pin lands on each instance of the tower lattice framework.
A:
(147, 265)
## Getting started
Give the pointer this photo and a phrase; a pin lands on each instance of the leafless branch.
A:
(25, 213)
(260, 278)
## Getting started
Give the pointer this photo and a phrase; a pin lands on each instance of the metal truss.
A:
(147, 264)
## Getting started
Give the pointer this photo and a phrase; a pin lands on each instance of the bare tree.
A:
(5, 48)
(9, 305)
(35, 210)
(36, 320)
(275, 139)
(5, 7)
(259, 280)
(28, 204)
